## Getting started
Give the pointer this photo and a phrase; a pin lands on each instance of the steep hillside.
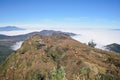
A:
(59, 57)
(7, 41)
(4, 52)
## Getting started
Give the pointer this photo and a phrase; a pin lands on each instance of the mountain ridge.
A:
(59, 57)
(7, 41)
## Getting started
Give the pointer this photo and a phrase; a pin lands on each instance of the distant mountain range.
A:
(10, 28)
(23, 37)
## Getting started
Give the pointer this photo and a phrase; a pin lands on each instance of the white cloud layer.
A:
(101, 37)
(17, 45)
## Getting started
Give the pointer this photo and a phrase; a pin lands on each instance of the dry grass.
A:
(59, 50)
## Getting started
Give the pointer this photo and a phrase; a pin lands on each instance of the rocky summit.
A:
(59, 57)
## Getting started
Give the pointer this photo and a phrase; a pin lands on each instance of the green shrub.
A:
(58, 74)
(101, 76)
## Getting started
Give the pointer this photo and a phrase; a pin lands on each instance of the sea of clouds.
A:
(100, 37)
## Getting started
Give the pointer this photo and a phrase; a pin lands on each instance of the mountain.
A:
(10, 28)
(50, 32)
(13, 39)
(7, 41)
(43, 32)
(113, 47)
(5, 51)
(59, 57)
(3, 36)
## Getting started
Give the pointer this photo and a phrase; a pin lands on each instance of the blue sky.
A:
(65, 14)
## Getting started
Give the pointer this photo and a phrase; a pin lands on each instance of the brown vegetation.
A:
(62, 58)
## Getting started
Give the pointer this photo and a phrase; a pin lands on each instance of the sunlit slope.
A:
(59, 57)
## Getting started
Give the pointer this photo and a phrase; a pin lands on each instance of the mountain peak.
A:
(113, 47)
(37, 41)
(10, 28)
(51, 32)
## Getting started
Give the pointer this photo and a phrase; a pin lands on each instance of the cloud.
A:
(101, 37)
(17, 45)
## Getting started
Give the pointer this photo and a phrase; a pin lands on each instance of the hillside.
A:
(7, 41)
(59, 57)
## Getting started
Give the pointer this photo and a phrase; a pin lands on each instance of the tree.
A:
(92, 44)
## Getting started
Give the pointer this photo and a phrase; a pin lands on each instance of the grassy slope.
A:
(60, 58)
(7, 41)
